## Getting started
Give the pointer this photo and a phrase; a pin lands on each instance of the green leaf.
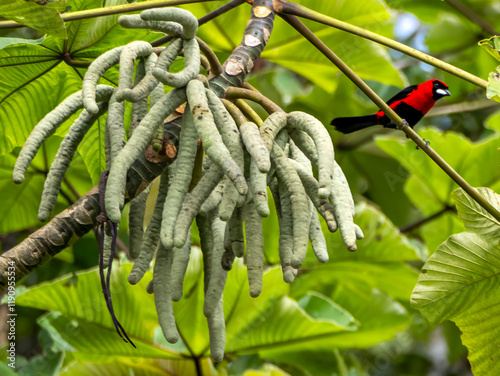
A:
(21, 210)
(464, 269)
(286, 326)
(84, 322)
(322, 308)
(137, 367)
(479, 326)
(7, 370)
(493, 90)
(459, 283)
(450, 32)
(379, 262)
(475, 218)
(39, 15)
(491, 46)
(4, 42)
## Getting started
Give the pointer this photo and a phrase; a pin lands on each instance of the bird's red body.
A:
(410, 104)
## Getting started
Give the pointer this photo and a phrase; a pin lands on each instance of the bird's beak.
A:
(443, 92)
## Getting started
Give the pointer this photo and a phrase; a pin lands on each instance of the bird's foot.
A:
(405, 124)
(427, 143)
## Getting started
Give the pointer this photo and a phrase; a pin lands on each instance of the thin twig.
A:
(234, 111)
(248, 111)
(291, 8)
(223, 9)
(423, 221)
(472, 16)
(400, 123)
(267, 104)
(109, 11)
(215, 65)
(462, 107)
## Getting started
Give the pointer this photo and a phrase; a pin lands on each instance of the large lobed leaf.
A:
(40, 15)
(460, 283)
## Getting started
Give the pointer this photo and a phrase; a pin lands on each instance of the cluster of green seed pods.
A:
(242, 162)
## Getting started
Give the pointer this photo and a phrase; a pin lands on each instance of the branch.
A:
(462, 107)
(301, 11)
(400, 123)
(109, 11)
(472, 16)
(267, 104)
(80, 218)
(423, 221)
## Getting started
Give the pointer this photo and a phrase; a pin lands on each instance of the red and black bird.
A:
(410, 104)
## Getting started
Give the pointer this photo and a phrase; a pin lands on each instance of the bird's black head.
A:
(439, 90)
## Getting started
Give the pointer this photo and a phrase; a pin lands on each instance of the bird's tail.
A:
(352, 124)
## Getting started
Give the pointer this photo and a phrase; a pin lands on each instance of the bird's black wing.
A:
(402, 94)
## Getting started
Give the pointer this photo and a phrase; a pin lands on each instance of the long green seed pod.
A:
(142, 89)
(234, 231)
(214, 199)
(255, 146)
(359, 232)
(324, 146)
(282, 197)
(151, 239)
(168, 56)
(231, 137)
(317, 237)
(311, 186)
(192, 204)
(191, 68)
(165, 60)
(48, 125)
(107, 148)
(185, 18)
(255, 249)
(162, 295)
(271, 127)
(341, 179)
(210, 137)
(150, 288)
(136, 222)
(135, 21)
(114, 125)
(217, 274)
(258, 185)
(154, 97)
(228, 256)
(139, 108)
(344, 209)
(206, 244)
(230, 200)
(94, 74)
(288, 176)
(188, 144)
(156, 94)
(63, 158)
(305, 143)
(134, 147)
(217, 333)
(179, 267)
(127, 64)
